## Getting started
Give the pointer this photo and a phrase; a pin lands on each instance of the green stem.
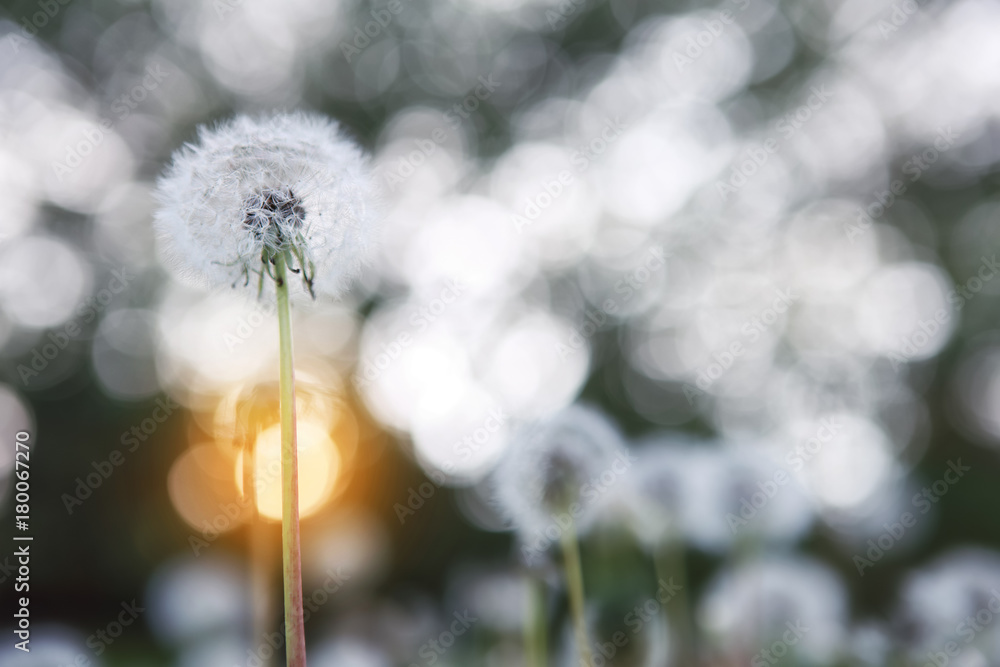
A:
(669, 563)
(574, 582)
(291, 551)
(746, 550)
(534, 624)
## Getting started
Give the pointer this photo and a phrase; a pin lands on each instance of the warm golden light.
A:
(319, 466)
(202, 492)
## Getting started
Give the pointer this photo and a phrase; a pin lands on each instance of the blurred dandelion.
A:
(953, 598)
(793, 601)
(551, 485)
(658, 492)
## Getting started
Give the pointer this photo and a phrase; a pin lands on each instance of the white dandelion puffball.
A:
(658, 488)
(568, 465)
(957, 585)
(735, 494)
(251, 188)
(758, 602)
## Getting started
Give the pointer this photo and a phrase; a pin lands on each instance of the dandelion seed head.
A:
(731, 494)
(869, 644)
(251, 187)
(956, 585)
(751, 604)
(555, 463)
(658, 488)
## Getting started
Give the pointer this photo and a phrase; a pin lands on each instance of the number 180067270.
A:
(21, 472)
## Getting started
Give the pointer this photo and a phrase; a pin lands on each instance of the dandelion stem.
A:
(574, 582)
(534, 624)
(291, 556)
(670, 563)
